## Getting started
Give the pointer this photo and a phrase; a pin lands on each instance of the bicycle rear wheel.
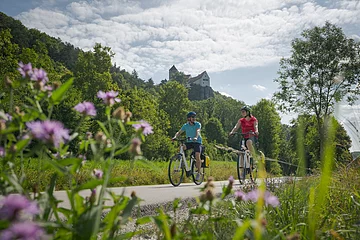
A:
(194, 173)
(240, 168)
(176, 170)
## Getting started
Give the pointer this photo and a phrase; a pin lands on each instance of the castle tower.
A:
(172, 72)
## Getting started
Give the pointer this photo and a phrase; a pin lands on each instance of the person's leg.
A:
(197, 149)
(249, 145)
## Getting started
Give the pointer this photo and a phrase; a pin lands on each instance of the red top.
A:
(247, 125)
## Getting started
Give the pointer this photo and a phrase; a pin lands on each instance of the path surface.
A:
(151, 194)
(155, 194)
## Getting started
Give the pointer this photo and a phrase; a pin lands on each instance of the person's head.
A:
(191, 116)
(245, 111)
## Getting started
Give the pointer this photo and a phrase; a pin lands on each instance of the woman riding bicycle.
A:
(192, 129)
(249, 127)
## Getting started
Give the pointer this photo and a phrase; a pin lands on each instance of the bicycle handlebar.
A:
(247, 133)
(182, 140)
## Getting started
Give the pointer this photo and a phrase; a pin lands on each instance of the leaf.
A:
(69, 161)
(102, 126)
(143, 220)
(122, 150)
(85, 225)
(8, 130)
(59, 93)
(127, 211)
(20, 145)
(89, 185)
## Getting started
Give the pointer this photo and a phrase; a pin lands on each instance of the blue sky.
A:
(239, 43)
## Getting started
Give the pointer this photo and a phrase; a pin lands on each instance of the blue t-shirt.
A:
(190, 131)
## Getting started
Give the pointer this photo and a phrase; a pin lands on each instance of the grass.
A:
(125, 173)
(338, 218)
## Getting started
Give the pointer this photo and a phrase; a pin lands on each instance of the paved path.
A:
(152, 194)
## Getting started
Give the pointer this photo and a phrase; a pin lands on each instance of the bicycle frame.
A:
(244, 161)
(184, 162)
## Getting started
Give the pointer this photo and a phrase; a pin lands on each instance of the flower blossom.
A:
(39, 75)
(109, 98)
(48, 131)
(144, 126)
(25, 69)
(86, 108)
(2, 151)
(98, 173)
(240, 196)
(269, 199)
(23, 230)
(13, 204)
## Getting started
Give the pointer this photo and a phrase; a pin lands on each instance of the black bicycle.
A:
(178, 166)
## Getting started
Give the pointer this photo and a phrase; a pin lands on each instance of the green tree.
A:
(214, 131)
(324, 68)
(180, 77)
(145, 106)
(341, 143)
(173, 100)
(8, 55)
(92, 72)
(269, 132)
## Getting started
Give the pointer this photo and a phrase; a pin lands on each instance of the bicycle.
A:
(178, 165)
(245, 163)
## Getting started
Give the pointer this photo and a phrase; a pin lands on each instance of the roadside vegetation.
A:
(66, 128)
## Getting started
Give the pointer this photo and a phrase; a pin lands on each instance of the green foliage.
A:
(173, 100)
(214, 131)
(65, 53)
(322, 70)
(269, 132)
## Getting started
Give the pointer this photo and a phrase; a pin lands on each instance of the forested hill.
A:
(163, 105)
(59, 51)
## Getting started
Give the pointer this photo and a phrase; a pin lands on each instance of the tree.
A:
(173, 100)
(323, 69)
(269, 132)
(311, 141)
(214, 131)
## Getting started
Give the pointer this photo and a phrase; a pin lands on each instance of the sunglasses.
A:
(192, 117)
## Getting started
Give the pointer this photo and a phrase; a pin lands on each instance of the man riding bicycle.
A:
(249, 127)
(192, 129)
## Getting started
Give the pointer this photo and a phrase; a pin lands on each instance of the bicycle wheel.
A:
(254, 171)
(176, 170)
(240, 168)
(194, 173)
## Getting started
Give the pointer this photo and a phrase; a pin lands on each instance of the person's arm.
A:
(178, 133)
(197, 134)
(256, 127)
(237, 126)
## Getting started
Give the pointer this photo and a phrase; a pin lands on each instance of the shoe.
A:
(197, 178)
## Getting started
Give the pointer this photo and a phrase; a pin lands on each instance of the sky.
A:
(238, 42)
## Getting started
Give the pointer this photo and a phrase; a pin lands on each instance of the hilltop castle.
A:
(199, 86)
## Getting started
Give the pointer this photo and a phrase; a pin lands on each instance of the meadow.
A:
(323, 206)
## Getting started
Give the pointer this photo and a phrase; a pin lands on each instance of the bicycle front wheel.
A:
(197, 179)
(240, 168)
(176, 170)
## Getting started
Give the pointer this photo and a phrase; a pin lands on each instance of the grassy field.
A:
(125, 173)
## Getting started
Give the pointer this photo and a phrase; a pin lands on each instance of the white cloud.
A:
(195, 35)
(226, 94)
(259, 87)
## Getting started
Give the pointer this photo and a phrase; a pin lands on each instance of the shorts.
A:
(193, 145)
(253, 139)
